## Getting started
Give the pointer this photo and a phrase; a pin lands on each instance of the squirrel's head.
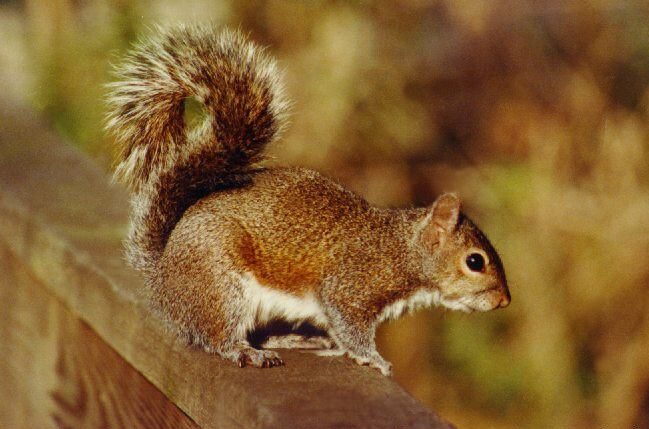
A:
(459, 260)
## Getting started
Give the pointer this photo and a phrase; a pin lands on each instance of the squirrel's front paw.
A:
(258, 358)
(375, 361)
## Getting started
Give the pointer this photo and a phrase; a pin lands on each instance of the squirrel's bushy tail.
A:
(166, 167)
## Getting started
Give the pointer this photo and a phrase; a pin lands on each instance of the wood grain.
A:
(57, 372)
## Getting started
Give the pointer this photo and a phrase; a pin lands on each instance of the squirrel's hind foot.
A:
(248, 356)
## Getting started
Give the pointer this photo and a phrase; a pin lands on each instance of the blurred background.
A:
(536, 112)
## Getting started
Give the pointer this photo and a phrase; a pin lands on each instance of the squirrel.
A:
(226, 244)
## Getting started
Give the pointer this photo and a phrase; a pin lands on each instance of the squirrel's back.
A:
(168, 167)
(288, 227)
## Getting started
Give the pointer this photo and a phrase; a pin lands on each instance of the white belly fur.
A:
(267, 303)
(422, 298)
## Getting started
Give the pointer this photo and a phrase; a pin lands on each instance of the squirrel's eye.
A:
(475, 262)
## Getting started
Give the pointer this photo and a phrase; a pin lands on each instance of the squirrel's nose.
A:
(505, 299)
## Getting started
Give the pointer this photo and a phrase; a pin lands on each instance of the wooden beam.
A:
(56, 371)
(64, 221)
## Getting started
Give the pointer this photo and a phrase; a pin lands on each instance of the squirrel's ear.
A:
(442, 220)
(446, 213)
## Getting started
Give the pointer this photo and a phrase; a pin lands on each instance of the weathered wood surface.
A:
(56, 371)
(63, 222)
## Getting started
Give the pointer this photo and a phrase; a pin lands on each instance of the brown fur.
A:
(225, 245)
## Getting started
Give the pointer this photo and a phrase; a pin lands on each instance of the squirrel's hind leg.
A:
(217, 317)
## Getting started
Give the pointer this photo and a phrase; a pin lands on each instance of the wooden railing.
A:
(79, 348)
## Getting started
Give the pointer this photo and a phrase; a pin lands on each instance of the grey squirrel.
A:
(226, 244)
